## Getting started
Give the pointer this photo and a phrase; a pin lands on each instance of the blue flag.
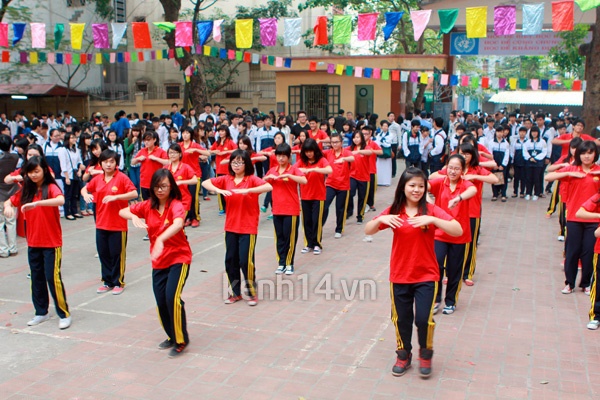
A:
(453, 80)
(205, 28)
(19, 30)
(391, 20)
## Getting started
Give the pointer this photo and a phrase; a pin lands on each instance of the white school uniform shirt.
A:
(548, 134)
(163, 134)
(69, 160)
(425, 147)
(489, 133)
(235, 132)
(438, 142)
(118, 148)
(531, 145)
(396, 130)
(517, 145)
(409, 140)
(501, 146)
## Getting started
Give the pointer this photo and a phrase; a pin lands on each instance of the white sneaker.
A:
(368, 239)
(38, 319)
(567, 290)
(317, 250)
(527, 197)
(337, 235)
(64, 323)
(280, 270)
(534, 198)
(289, 270)
(587, 291)
(436, 308)
(561, 238)
(593, 325)
(306, 250)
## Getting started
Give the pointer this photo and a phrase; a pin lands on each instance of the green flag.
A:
(342, 29)
(76, 60)
(385, 75)
(59, 30)
(239, 55)
(179, 52)
(42, 57)
(165, 26)
(271, 60)
(523, 83)
(349, 70)
(586, 5)
(474, 82)
(448, 19)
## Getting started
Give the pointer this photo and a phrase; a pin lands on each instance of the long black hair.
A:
(97, 143)
(399, 202)
(310, 145)
(157, 178)
(573, 144)
(468, 148)
(30, 188)
(585, 147)
(363, 142)
(245, 157)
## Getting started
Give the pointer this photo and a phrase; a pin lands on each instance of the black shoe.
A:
(425, 356)
(167, 344)
(177, 350)
(402, 363)
(146, 238)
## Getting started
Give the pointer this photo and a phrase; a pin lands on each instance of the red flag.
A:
(576, 85)
(562, 15)
(396, 75)
(171, 54)
(312, 67)
(5, 56)
(485, 82)
(247, 57)
(141, 35)
(83, 59)
(320, 31)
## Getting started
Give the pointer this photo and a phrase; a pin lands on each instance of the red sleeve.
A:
(560, 160)
(128, 184)
(438, 212)
(468, 184)
(91, 185)
(256, 181)
(296, 171)
(188, 171)
(483, 171)
(215, 146)
(384, 212)
(139, 153)
(219, 181)
(443, 171)
(177, 210)
(162, 154)
(375, 146)
(435, 186)
(140, 209)
(15, 199)
(54, 191)
(592, 204)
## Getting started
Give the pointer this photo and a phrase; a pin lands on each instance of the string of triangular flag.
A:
(505, 23)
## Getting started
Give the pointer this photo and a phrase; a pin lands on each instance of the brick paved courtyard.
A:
(513, 336)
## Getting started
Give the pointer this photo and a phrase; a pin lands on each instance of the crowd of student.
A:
(151, 171)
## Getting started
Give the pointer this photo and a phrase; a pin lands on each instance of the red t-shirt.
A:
(242, 209)
(482, 149)
(568, 136)
(107, 215)
(297, 148)
(593, 205)
(315, 187)
(272, 157)
(285, 192)
(562, 186)
(320, 135)
(373, 157)
(183, 173)
(192, 159)
(475, 201)
(43, 223)
(223, 169)
(361, 167)
(440, 188)
(413, 257)
(580, 190)
(340, 177)
(149, 167)
(176, 249)
(96, 167)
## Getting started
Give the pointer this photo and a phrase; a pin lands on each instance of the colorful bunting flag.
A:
(391, 21)
(244, 33)
(330, 68)
(118, 29)
(33, 57)
(535, 84)
(183, 34)
(420, 19)
(100, 35)
(349, 70)
(444, 79)
(368, 72)
(512, 83)
(312, 66)
(385, 74)
(474, 82)
(342, 29)
(18, 31)
(464, 80)
(38, 35)
(476, 22)
(576, 85)
(586, 5)
(358, 72)
(414, 77)
(502, 83)
(404, 76)
(544, 84)
(339, 69)
(447, 19)
(165, 26)
(204, 28)
(376, 73)
(76, 35)
(292, 31)
(367, 26)
(562, 15)
(59, 30)
(320, 31)
(247, 57)
(287, 63)
(279, 62)
(424, 78)
(505, 20)
(485, 82)
(268, 31)
(396, 75)
(4, 35)
(217, 30)
(141, 35)
(533, 19)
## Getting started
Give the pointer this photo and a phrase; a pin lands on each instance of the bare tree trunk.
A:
(591, 97)
(420, 97)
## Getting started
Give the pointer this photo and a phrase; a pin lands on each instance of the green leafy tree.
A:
(591, 97)
(566, 55)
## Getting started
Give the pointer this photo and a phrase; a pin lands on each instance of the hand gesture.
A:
(422, 220)
(225, 193)
(157, 249)
(108, 199)
(240, 191)
(88, 198)
(28, 206)
(393, 221)
(339, 161)
(9, 212)
(141, 158)
(138, 223)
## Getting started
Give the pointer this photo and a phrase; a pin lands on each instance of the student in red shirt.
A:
(317, 134)
(299, 142)
(242, 189)
(367, 132)
(39, 200)
(184, 176)
(360, 178)
(164, 216)
(338, 182)
(191, 157)
(565, 138)
(152, 158)
(583, 178)
(285, 179)
(590, 210)
(94, 168)
(278, 139)
(110, 191)
(451, 194)
(222, 148)
(313, 164)
(414, 271)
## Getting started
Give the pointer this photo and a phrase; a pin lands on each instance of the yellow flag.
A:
(159, 55)
(512, 82)
(243, 33)
(207, 50)
(339, 69)
(98, 58)
(33, 57)
(77, 35)
(476, 22)
(424, 78)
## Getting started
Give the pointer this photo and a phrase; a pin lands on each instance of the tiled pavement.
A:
(513, 336)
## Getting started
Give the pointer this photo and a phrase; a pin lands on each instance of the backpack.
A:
(446, 151)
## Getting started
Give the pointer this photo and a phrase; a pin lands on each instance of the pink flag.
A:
(330, 68)
(113, 58)
(367, 25)
(68, 58)
(268, 31)
(100, 32)
(358, 71)
(444, 79)
(183, 34)
(535, 83)
(38, 35)
(217, 30)
(50, 58)
(414, 77)
(505, 20)
(376, 73)
(4, 35)
(464, 80)
(502, 83)
(279, 62)
(420, 19)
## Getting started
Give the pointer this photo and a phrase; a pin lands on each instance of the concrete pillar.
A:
(139, 101)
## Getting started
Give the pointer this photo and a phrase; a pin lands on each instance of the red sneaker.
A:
(402, 363)
(233, 299)
(469, 282)
(253, 301)
(425, 356)
(188, 222)
(195, 223)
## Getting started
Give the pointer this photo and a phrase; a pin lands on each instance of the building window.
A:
(317, 100)
(141, 86)
(120, 11)
(75, 3)
(172, 91)
(233, 95)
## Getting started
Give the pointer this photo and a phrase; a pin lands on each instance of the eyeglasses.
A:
(161, 188)
(335, 142)
(237, 164)
(454, 169)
